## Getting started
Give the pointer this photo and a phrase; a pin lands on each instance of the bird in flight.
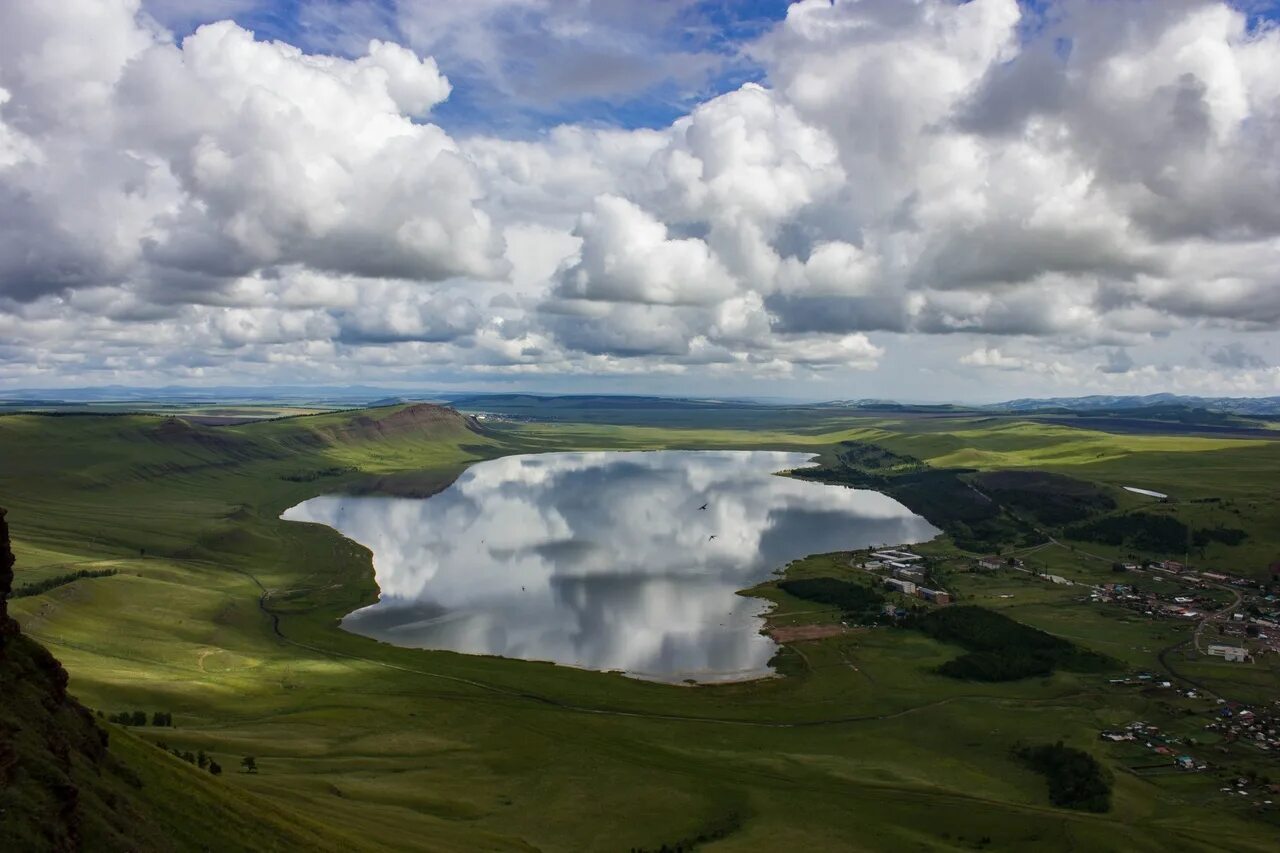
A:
(712, 536)
(704, 506)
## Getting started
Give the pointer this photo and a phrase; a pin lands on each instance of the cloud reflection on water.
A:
(603, 560)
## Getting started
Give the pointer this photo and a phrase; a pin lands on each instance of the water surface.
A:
(603, 560)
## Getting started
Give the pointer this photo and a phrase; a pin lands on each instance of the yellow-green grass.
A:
(863, 747)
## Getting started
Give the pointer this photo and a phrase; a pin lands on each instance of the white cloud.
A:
(628, 256)
(1099, 187)
(183, 165)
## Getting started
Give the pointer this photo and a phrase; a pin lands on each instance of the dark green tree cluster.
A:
(316, 474)
(1076, 779)
(1226, 535)
(139, 718)
(1052, 499)
(856, 600)
(199, 759)
(47, 584)
(1002, 649)
(718, 831)
(942, 495)
(995, 666)
(1158, 534)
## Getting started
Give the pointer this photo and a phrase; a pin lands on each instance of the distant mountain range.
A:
(1246, 406)
(1159, 406)
(347, 394)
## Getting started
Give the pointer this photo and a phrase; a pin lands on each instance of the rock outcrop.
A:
(59, 787)
(8, 627)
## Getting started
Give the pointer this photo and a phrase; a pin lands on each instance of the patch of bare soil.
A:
(799, 633)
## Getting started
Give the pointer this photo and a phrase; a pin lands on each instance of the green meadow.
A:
(226, 616)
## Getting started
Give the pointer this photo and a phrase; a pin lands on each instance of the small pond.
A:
(624, 561)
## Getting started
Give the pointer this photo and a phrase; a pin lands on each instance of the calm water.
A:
(603, 560)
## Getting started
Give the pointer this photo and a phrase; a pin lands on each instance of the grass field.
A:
(860, 746)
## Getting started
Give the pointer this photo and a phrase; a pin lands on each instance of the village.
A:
(1238, 630)
(1229, 725)
(1236, 620)
(904, 572)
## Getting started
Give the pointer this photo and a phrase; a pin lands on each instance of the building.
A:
(1231, 653)
(992, 562)
(896, 556)
(907, 573)
(904, 587)
(1058, 579)
(937, 596)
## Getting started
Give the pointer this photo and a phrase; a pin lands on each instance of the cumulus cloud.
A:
(1097, 185)
(627, 255)
(185, 164)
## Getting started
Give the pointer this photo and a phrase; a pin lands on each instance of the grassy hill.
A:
(225, 616)
(67, 783)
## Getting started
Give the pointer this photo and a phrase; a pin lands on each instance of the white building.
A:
(937, 596)
(904, 587)
(1231, 653)
(897, 556)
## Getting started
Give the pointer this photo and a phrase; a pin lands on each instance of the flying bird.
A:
(712, 536)
(704, 506)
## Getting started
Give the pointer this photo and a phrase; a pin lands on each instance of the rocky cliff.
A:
(8, 628)
(59, 787)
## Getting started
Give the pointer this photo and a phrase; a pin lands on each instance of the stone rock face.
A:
(54, 763)
(8, 628)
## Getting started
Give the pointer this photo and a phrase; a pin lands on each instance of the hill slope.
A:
(62, 787)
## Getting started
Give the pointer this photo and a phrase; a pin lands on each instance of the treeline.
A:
(1076, 779)
(317, 474)
(139, 718)
(1001, 649)
(1052, 499)
(854, 599)
(1225, 535)
(872, 457)
(199, 759)
(974, 521)
(1161, 534)
(56, 581)
(717, 832)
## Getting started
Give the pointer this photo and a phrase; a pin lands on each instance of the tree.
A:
(138, 718)
(202, 760)
(249, 763)
(215, 768)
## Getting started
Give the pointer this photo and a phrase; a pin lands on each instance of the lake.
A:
(625, 561)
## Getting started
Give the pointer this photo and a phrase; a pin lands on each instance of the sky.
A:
(906, 199)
